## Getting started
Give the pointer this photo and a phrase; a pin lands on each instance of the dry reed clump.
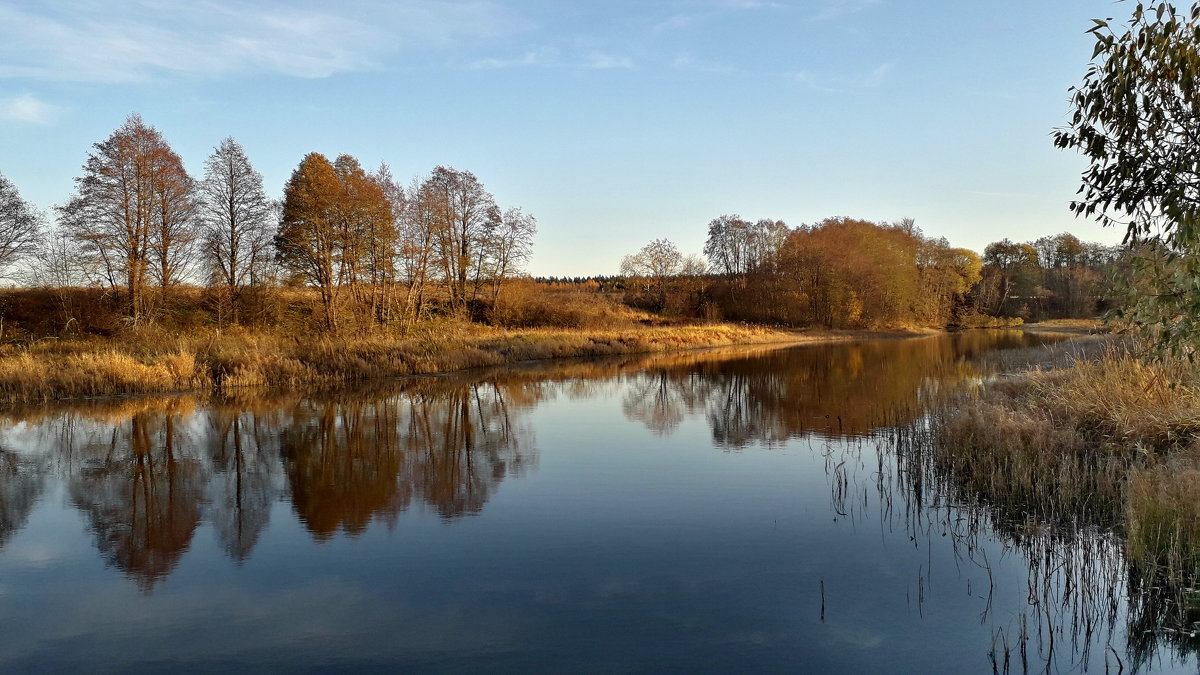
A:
(1115, 441)
(1163, 518)
(28, 376)
(1124, 399)
(1023, 460)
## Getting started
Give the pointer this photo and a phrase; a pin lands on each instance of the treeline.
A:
(139, 226)
(844, 273)
(362, 251)
(1052, 277)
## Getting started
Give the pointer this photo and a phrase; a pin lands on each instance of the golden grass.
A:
(1113, 441)
(1125, 399)
(153, 361)
(1163, 517)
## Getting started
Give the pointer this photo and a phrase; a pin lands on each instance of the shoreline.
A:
(155, 362)
(158, 363)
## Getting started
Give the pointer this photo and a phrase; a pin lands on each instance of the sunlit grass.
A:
(154, 361)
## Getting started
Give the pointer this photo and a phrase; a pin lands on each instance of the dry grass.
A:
(155, 361)
(1025, 462)
(1163, 517)
(1124, 399)
(1113, 441)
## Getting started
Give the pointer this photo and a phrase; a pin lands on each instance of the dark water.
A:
(741, 510)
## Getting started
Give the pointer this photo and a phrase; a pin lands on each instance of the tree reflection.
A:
(21, 484)
(463, 443)
(241, 450)
(142, 498)
(838, 389)
(343, 463)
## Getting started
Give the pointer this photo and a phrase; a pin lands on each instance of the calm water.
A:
(719, 511)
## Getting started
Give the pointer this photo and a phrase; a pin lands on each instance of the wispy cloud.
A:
(686, 61)
(125, 40)
(871, 80)
(834, 9)
(28, 109)
(602, 61)
(530, 59)
(551, 57)
(703, 10)
(876, 77)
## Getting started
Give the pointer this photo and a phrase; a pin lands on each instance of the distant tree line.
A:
(843, 272)
(139, 224)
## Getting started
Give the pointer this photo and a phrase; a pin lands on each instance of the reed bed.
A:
(1110, 440)
(153, 361)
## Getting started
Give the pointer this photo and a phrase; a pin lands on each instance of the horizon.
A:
(612, 124)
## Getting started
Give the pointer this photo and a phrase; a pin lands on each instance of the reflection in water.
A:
(241, 447)
(20, 485)
(142, 495)
(148, 474)
(833, 389)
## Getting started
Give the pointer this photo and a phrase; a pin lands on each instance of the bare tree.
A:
(236, 217)
(131, 209)
(510, 246)
(388, 258)
(738, 247)
(657, 260)
(417, 240)
(462, 213)
(173, 233)
(20, 226)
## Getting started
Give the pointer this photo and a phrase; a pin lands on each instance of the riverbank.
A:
(1111, 441)
(149, 361)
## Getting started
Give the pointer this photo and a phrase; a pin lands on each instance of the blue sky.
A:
(613, 122)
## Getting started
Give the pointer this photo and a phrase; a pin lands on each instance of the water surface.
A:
(742, 509)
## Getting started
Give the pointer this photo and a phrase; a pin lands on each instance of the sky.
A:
(613, 122)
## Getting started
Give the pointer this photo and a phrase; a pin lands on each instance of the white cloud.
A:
(124, 40)
(28, 109)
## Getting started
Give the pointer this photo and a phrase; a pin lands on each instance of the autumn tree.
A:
(236, 217)
(945, 274)
(309, 241)
(133, 211)
(336, 231)
(367, 231)
(20, 225)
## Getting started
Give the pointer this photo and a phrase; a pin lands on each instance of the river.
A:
(747, 509)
